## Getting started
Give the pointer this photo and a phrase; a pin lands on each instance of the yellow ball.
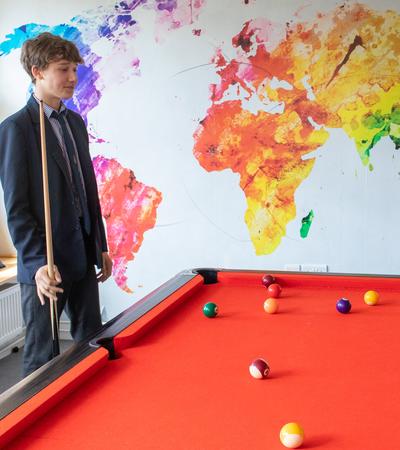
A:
(292, 435)
(371, 298)
(271, 305)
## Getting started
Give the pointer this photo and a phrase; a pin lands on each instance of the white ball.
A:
(292, 440)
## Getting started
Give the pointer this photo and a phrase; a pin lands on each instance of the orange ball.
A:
(271, 305)
(371, 298)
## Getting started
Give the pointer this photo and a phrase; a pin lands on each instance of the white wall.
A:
(148, 122)
(6, 246)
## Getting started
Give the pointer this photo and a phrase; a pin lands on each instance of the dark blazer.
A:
(21, 177)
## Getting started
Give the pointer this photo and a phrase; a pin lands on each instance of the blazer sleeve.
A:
(14, 176)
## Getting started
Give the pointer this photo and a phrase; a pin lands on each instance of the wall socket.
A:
(306, 267)
(314, 268)
(293, 267)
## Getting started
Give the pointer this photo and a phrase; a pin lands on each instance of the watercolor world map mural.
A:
(274, 104)
(340, 71)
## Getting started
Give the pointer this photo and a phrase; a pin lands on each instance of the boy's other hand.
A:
(45, 286)
(106, 270)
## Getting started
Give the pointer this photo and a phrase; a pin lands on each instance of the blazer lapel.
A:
(52, 146)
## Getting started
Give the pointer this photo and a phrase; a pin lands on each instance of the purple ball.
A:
(268, 280)
(343, 306)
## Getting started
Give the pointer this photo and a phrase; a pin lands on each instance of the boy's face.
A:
(58, 80)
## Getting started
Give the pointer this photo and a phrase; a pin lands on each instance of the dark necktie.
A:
(76, 176)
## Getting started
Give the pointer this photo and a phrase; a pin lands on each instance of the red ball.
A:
(268, 280)
(274, 290)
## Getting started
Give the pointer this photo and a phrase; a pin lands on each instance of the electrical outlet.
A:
(314, 268)
(292, 267)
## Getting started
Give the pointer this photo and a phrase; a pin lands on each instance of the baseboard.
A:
(13, 346)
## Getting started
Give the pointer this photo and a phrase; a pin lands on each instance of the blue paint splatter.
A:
(86, 95)
(168, 5)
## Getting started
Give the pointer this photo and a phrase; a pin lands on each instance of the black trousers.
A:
(80, 300)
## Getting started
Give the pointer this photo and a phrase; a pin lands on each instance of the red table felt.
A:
(181, 380)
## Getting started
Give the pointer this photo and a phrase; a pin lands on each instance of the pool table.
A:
(162, 375)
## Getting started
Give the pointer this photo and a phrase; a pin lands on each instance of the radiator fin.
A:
(11, 322)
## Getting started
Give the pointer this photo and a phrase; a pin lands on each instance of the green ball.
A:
(210, 309)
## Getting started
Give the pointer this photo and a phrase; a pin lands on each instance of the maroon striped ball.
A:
(259, 369)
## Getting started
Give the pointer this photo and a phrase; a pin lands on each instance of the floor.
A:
(11, 366)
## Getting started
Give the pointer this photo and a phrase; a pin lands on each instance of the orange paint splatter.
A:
(337, 71)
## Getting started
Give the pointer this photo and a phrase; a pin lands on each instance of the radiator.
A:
(11, 322)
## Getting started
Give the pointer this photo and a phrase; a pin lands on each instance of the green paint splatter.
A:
(374, 121)
(385, 125)
(396, 142)
(396, 114)
(306, 224)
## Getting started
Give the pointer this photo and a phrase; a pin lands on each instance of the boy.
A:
(79, 239)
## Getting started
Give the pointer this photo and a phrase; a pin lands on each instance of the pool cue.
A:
(49, 237)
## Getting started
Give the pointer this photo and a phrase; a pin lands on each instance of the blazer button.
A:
(77, 226)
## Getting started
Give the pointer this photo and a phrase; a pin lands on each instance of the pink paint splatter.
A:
(176, 14)
(129, 208)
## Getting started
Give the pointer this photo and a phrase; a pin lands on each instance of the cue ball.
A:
(267, 280)
(371, 298)
(291, 435)
(271, 305)
(274, 290)
(259, 369)
(210, 310)
(343, 306)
